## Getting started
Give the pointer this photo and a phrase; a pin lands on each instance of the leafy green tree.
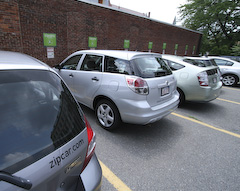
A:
(218, 20)
(236, 49)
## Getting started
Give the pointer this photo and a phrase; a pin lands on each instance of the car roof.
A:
(16, 60)
(178, 59)
(173, 57)
(198, 58)
(122, 54)
(182, 60)
(223, 58)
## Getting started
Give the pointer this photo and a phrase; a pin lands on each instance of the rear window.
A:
(38, 115)
(201, 63)
(150, 67)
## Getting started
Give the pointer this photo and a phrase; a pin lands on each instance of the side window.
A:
(71, 63)
(92, 63)
(115, 65)
(229, 63)
(220, 62)
(174, 65)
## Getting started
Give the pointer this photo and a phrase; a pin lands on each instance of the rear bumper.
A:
(92, 175)
(203, 94)
(140, 112)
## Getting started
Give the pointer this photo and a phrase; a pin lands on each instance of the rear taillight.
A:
(203, 78)
(91, 143)
(138, 85)
(219, 74)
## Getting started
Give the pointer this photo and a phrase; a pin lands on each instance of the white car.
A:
(133, 87)
(196, 80)
(230, 70)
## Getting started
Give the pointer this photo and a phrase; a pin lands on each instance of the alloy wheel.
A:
(229, 80)
(105, 115)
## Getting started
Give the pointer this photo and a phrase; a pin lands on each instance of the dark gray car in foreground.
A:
(46, 141)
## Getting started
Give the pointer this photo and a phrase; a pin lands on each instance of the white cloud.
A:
(162, 10)
(13, 158)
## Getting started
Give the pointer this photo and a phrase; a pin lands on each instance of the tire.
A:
(181, 97)
(229, 80)
(107, 115)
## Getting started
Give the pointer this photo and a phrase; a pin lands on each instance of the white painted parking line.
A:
(207, 125)
(113, 179)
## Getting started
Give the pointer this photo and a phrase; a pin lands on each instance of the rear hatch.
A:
(161, 90)
(213, 76)
(159, 79)
(42, 129)
(210, 75)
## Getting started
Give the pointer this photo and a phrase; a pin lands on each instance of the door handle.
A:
(71, 75)
(95, 79)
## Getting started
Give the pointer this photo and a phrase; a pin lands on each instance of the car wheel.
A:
(229, 80)
(107, 114)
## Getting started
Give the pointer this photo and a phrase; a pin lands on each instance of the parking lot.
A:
(195, 148)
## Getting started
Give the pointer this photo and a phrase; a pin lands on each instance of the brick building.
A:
(23, 23)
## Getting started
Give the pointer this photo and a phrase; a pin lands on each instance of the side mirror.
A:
(58, 66)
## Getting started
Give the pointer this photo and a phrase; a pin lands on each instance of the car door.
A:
(68, 69)
(88, 78)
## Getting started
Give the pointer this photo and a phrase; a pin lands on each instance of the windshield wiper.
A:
(15, 180)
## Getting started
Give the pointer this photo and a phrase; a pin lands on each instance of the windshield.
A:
(38, 115)
(150, 67)
(201, 63)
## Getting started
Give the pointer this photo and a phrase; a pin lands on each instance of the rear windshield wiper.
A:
(15, 180)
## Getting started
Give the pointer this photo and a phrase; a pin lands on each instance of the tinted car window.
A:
(39, 116)
(201, 63)
(116, 65)
(149, 67)
(92, 63)
(71, 63)
(174, 66)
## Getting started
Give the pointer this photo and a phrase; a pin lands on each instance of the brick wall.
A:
(10, 32)
(23, 23)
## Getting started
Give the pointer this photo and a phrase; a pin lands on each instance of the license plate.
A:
(165, 91)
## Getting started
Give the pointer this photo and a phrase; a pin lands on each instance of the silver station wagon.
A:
(46, 142)
(121, 86)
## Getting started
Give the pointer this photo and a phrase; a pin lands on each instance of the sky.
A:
(162, 10)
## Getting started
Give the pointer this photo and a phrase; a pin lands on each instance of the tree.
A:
(236, 49)
(218, 20)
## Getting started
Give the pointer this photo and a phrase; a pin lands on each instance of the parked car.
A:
(230, 70)
(234, 58)
(46, 141)
(133, 87)
(196, 80)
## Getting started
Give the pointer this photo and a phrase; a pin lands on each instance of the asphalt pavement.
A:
(195, 148)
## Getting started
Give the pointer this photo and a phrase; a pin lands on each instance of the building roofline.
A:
(124, 10)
